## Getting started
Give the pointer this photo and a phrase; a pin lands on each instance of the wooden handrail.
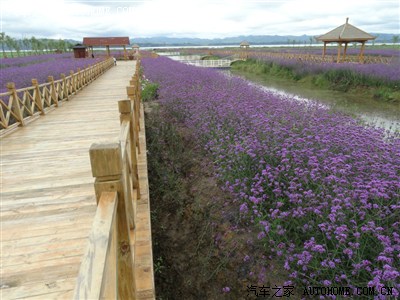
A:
(101, 253)
(115, 167)
(18, 107)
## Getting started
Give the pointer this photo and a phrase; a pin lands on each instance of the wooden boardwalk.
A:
(47, 195)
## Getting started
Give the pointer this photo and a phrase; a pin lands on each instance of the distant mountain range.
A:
(252, 39)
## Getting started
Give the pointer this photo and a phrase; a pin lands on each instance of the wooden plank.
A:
(40, 289)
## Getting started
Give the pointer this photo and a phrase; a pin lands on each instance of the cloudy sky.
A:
(75, 19)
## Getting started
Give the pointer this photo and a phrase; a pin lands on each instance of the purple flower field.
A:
(386, 73)
(21, 70)
(332, 50)
(323, 189)
(375, 74)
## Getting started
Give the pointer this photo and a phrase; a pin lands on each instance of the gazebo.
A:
(244, 46)
(107, 42)
(346, 34)
(135, 49)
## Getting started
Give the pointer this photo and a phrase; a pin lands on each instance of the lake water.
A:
(374, 113)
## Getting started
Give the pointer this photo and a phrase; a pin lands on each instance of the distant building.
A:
(244, 46)
(107, 42)
(80, 51)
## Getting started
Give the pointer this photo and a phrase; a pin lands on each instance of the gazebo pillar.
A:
(339, 52)
(125, 56)
(324, 52)
(345, 50)
(361, 57)
(108, 50)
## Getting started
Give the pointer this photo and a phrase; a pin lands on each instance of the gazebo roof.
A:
(244, 43)
(346, 33)
(106, 41)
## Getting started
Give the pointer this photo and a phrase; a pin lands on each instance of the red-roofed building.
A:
(107, 42)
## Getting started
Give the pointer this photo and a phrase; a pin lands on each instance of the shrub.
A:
(149, 91)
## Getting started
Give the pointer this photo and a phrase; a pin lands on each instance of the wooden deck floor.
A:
(47, 193)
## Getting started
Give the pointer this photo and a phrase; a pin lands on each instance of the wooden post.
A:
(324, 53)
(15, 108)
(339, 52)
(73, 82)
(53, 93)
(131, 91)
(107, 168)
(79, 79)
(125, 55)
(37, 97)
(64, 87)
(361, 59)
(108, 51)
(125, 109)
(345, 50)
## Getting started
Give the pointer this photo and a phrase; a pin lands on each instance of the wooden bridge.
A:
(209, 63)
(199, 61)
(65, 234)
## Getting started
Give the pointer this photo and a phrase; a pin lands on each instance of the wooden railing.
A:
(209, 63)
(107, 269)
(20, 106)
(317, 58)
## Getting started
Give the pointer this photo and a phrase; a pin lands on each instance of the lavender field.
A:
(376, 74)
(21, 70)
(354, 74)
(321, 188)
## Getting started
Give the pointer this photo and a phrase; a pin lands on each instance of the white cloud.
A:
(195, 18)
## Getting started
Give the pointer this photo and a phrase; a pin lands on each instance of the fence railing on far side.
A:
(108, 266)
(18, 107)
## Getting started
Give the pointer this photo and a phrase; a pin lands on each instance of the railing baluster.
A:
(125, 109)
(53, 93)
(131, 91)
(15, 108)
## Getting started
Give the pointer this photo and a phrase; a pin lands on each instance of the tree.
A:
(11, 44)
(395, 39)
(34, 44)
(27, 44)
(17, 47)
(52, 45)
(3, 42)
(61, 45)
(69, 46)
(45, 45)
